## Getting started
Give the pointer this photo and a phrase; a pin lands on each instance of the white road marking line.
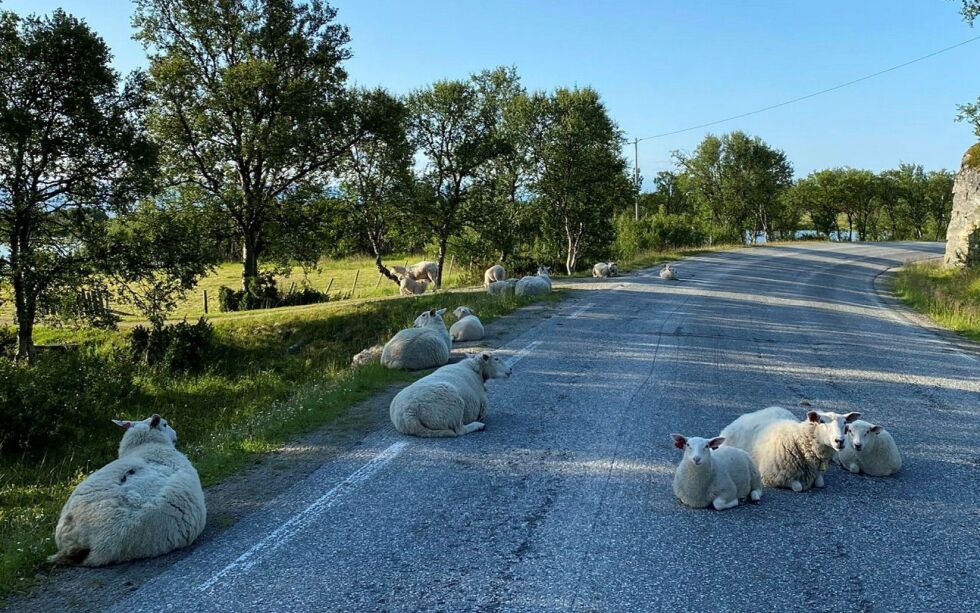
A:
(520, 355)
(578, 313)
(967, 356)
(284, 532)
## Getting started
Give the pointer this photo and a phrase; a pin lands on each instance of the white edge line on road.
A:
(520, 355)
(582, 309)
(298, 521)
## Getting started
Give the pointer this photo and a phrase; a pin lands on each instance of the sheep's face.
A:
(697, 450)
(543, 271)
(613, 269)
(155, 421)
(427, 318)
(493, 367)
(830, 426)
(859, 432)
(462, 312)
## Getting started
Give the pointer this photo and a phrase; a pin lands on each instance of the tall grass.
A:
(949, 296)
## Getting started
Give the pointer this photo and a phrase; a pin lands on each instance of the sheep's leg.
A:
(854, 468)
(720, 505)
(755, 495)
(796, 486)
(819, 481)
(473, 426)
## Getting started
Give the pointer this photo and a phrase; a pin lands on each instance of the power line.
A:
(821, 92)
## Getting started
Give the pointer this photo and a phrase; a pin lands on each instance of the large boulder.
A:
(963, 234)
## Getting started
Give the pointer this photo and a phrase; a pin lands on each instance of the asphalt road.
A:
(565, 502)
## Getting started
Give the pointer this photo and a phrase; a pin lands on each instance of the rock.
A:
(371, 354)
(963, 234)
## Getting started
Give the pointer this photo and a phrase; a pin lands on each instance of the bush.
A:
(658, 232)
(175, 347)
(58, 397)
(262, 293)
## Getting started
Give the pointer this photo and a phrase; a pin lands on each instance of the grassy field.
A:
(950, 297)
(270, 377)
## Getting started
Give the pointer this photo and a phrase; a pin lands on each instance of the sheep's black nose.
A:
(858, 446)
(839, 442)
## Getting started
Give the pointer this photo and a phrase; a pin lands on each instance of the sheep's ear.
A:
(813, 416)
(154, 421)
(851, 417)
(679, 440)
(440, 312)
(876, 429)
(125, 424)
(716, 442)
(432, 312)
(486, 357)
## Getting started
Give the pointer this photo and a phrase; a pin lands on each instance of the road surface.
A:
(565, 502)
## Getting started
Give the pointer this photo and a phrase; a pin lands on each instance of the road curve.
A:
(565, 503)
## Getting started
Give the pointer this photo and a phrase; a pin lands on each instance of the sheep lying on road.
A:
(537, 285)
(494, 273)
(410, 287)
(143, 504)
(452, 401)
(602, 270)
(668, 273)
(468, 326)
(789, 453)
(425, 345)
(712, 475)
(869, 449)
(502, 288)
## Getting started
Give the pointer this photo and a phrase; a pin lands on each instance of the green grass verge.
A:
(951, 297)
(270, 377)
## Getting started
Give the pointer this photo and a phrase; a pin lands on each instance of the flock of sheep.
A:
(149, 501)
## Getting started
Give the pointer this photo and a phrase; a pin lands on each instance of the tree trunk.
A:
(250, 258)
(26, 311)
(382, 268)
(443, 242)
(572, 254)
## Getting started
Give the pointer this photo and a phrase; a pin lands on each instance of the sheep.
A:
(452, 401)
(468, 326)
(668, 273)
(502, 288)
(603, 270)
(789, 453)
(371, 354)
(410, 287)
(425, 345)
(493, 274)
(539, 284)
(422, 270)
(710, 474)
(869, 449)
(146, 503)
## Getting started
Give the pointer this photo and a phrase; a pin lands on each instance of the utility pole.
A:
(636, 178)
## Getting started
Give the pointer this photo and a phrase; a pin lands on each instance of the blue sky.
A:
(662, 66)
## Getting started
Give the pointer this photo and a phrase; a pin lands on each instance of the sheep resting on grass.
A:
(425, 345)
(468, 326)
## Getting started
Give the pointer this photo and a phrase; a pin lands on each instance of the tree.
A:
(970, 10)
(376, 177)
(673, 199)
(454, 127)
(970, 112)
(581, 176)
(249, 107)
(911, 185)
(939, 199)
(72, 154)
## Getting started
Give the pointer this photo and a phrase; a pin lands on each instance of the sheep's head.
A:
(430, 317)
(154, 425)
(613, 269)
(543, 271)
(697, 450)
(830, 426)
(463, 311)
(492, 366)
(860, 431)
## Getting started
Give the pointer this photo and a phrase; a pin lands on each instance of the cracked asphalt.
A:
(565, 502)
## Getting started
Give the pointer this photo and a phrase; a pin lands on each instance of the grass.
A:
(951, 297)
(270, 377)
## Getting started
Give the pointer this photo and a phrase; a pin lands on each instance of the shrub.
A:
(658, 232)
(176, 347)
(56, 399)
(262, 293)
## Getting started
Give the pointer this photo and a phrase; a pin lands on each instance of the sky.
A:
(663, 66)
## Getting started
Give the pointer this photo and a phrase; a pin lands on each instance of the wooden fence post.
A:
(452, 260)
(378, 284)
(357, 273)
(205, 302)
(329, 285)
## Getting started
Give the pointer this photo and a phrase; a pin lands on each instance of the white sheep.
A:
(371, 354)
(493, 274)
(537, 285)
(602, 270)
(452, 401)
(869, 449)
(710, 474)
(668, 273)
(502, 288)
(467, 327)
(145, 503)
(422, 270)
(789, 453)
(410, 287)
(425, 345)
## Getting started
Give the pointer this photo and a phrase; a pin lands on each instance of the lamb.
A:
(493, 274)
(502, 288)
(425, 345)
(146, 503)
(410, 287)
(452, 401)
(536, 285)
(603, 270)
(789, 453)
(422, 270)
(468, 326)
(869, 449)
(668, 273)
(710, 474)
